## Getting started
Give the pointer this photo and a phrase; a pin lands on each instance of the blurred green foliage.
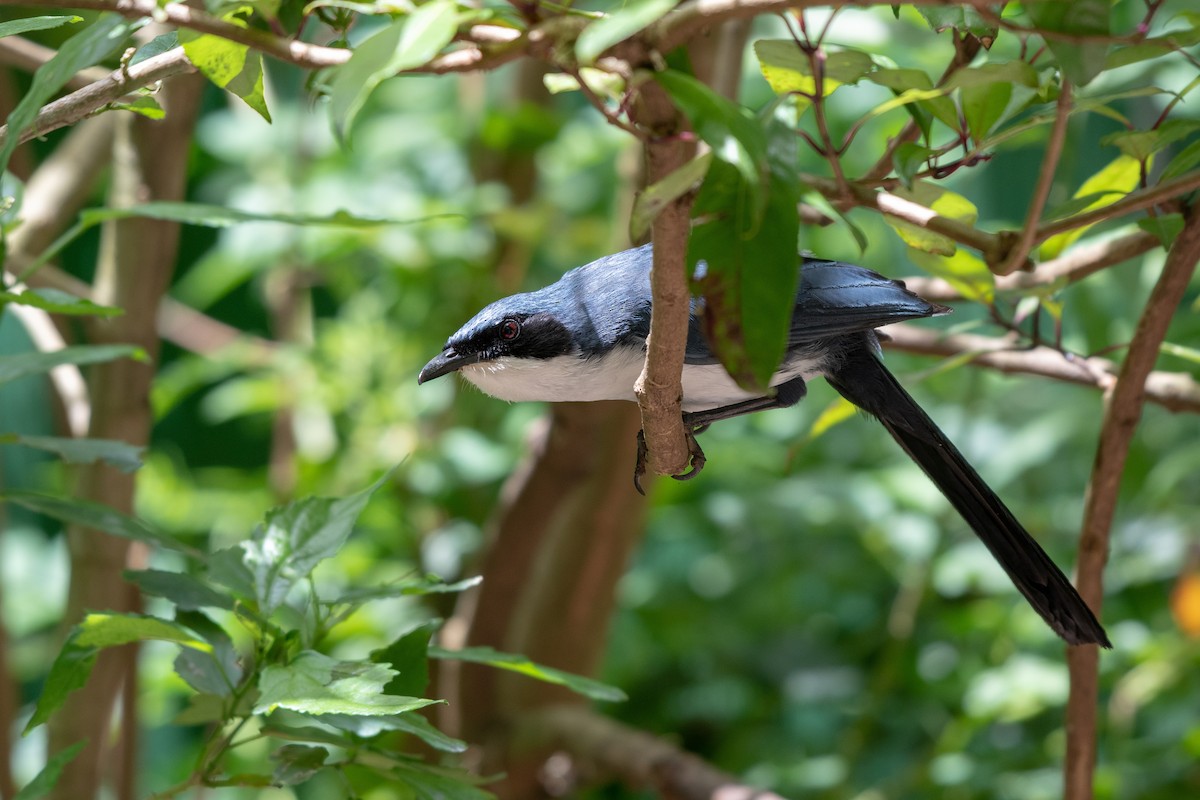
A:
(808, 613)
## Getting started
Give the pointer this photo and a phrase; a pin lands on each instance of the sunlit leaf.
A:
(230, 65)
(313, 683)
(111, 629)
(1183, 162)
(944, 203)
(963, 270)
(654, 198)
(788, 68)
(517, 663)
(1120, 177)
(617, 26)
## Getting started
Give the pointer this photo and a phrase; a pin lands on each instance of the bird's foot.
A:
(696, 458)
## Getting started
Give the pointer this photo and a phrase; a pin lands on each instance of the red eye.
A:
(510, 329)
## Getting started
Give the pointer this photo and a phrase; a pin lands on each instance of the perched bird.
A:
(584, 338)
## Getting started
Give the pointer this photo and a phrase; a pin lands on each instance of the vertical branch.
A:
(134, 268)
(1121, 415)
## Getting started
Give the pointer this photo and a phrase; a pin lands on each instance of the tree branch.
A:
(1121, 415)
(603, 746)
(1174, 391)
(1135, 201)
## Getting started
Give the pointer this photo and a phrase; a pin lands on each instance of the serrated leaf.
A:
(430, 783)
(654, 198)
(98, 517)
(44, 781)
(16, 27)
(942, 202)
(963, 270)
(59, 302)
(520, 664)
(295, 538)
(409, 587)
(230, 65)
(121, 455)
(1083, 59)
(1165, 226)
(297, 763)
(313, 683)
(788, 68)
(227, 567)
(21, 364)
(618, 26)
(405, 44)
(90, 45)
(408, 655)
(1117, 179)
(182, 589)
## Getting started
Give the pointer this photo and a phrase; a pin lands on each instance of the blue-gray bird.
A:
(584, 338)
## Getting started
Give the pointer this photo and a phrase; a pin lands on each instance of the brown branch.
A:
(84, 102)
(606, 748)
(1121, 415)
(1174, 391)
(1135, 201)
(1016, 257)
(1076, 264)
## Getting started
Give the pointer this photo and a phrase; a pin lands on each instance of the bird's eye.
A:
(510, 329)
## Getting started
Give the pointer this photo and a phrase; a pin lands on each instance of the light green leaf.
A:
(1081, 60)
(313, 683)
(109, 630)
(987, 103)
(230, 65)
(1180, 351)
(15, 27)
(125, 457)
(631, 17)
(1120, 177)
(788, 68)
(145, 105)
(963, 270)
(833, 415)
(604, 84)
(944, 203)
(653, 199)
(22, 364)
(1184, 161)
(44, 781)
(87, 514)
(403, 45)
(92, 44)
(438, 783)
(517, 663)
(932, 100)
(59, 302)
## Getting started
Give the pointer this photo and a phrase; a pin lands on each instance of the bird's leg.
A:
(696, 422)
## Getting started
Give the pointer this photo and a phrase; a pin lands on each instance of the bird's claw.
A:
(696, 458)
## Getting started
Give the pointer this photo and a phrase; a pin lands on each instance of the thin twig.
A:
(1045, 182)
(1121, 415)
(1130, 203)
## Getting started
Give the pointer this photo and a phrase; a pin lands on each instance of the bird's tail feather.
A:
(862, 379)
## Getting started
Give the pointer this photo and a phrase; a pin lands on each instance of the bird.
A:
(583, 338)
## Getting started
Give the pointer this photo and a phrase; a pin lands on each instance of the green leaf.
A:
(230, 65)
(605, 84)
(296, 763)
(69, 672)
(961, 18)
(408, 655)
(930, 99)
(432, 783)
(1179, 351)
(988, 102)
(160, 44)
(201, 709)
(908, 159)
(124, 457)
(313, 683)
(217, 672)
(87, 514)
(92, 44)
(227, 567)
(201, 671)
(182, 589)
(1080, 60)
(944, 203)
(733, 134)
(44, 781)
(295, 538)
(16, 27)
(964, 271)
(416, 725)
(1183, 162)
(1165, 226)
(618, 26)
(517, 663)
(1120, 177)
(1154, 47)
(1143, 144)
(403, 45)
(59, 302)
(110, 630)
(410, 587)
(653, 199)
(788, 68)
(145, 105)
(22, 364)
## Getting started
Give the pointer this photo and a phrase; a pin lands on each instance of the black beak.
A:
(444, 363)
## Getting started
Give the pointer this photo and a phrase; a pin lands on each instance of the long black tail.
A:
(862, 379)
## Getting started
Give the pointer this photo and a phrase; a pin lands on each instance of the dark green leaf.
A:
(22, 364)
(59, 302)
(201, 710)
(124, 457)
(625, 21)
(15, 27)
(92, 44)
(986, 103)
(430, 783)
(909, 159)
(405, 44)
(517, 663)
(416, 725)
(311, 733)
(1154, 47)
(160, 44)
(1080, 60)
(184, 590)
(98, 517)
(225, 656)
(653, 199)
(297, 763)
(1165, 226)
(961, 18)
(1143, 144)
(295, 538)
(228, 568)
(408, 655)
(44, 781)
(313, 683)
(201, 671)
(1183, 162)
(69, 672)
